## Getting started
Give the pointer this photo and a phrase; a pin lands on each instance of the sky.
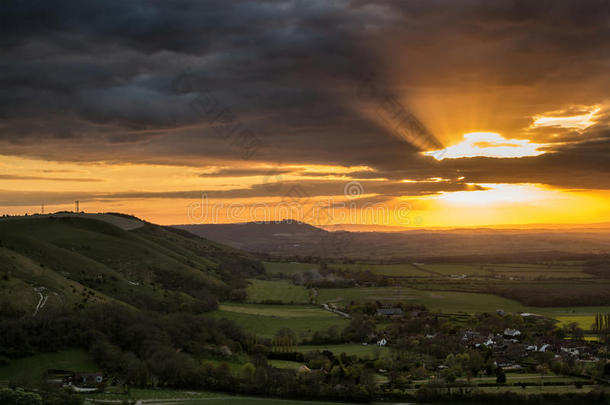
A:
(403, 113)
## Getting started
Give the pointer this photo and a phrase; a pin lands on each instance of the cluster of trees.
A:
(138, 332)
(285, 340)
(45, 395)
(542, 296)
(360, 329)
(166, 350)
(333, 277)
(602, 326)
(19, 397)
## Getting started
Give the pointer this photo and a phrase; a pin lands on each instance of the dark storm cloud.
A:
(245, 172)
(583, 165)
(307, 191)
(97, 81)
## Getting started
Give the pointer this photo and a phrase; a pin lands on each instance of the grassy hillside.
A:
(77, 261)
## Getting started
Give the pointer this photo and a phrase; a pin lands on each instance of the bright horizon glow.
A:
(498, 193)
(516, 204)
(488, 144)
(499, 204)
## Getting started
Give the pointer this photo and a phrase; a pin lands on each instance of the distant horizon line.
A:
(394, 228)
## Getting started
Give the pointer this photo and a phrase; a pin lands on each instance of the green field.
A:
(284, 364)
(435, 300)
(449, 269)
(538, 271)
(512, 270)
(36, 366)
(443, 301)
(392, 270)
(284, 291)
(217, 398)
(278, 311)
(266, 320)
(371, 350)
(288, 268)
(198, 398)
(257, 401)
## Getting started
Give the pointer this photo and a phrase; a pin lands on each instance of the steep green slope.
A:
(75, 261)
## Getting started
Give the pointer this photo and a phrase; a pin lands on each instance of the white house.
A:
(512, 332)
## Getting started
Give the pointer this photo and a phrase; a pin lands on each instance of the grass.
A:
(285, 364)
(257, 401)
(198, 398)
(372, 351)
(19, 294)
(288, 268)
(217, 398)
(530, 378)
(135, 267)
(279, 311)
(151, 394)
(392, 270)
(526, 271)
(434, 300)
(284, 291)
(443, 301)
(35, 366)
(557, 389)
(538, 271)
(266, 320)
(449, 269)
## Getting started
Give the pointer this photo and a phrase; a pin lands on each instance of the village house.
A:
(390, 312)
(95, 378)
(511, 333)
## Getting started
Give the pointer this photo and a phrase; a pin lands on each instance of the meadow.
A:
(265, 321)
(442, 301)
(445, 301)
(455, 269)
(436, 300)
(390, 270)
(371, 350)
(284, 291)
(36, 366)
(288, 268)
(159, 397)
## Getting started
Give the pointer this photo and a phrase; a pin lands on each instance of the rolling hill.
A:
(291, 239)
(73, 261)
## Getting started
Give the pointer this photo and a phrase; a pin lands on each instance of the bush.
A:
(18, 397)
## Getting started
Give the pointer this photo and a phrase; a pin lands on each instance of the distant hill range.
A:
(250, 234)
(73, 260)
(291, 238)
(594, 227)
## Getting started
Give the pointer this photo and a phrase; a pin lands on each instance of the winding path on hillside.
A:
(42, 299)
